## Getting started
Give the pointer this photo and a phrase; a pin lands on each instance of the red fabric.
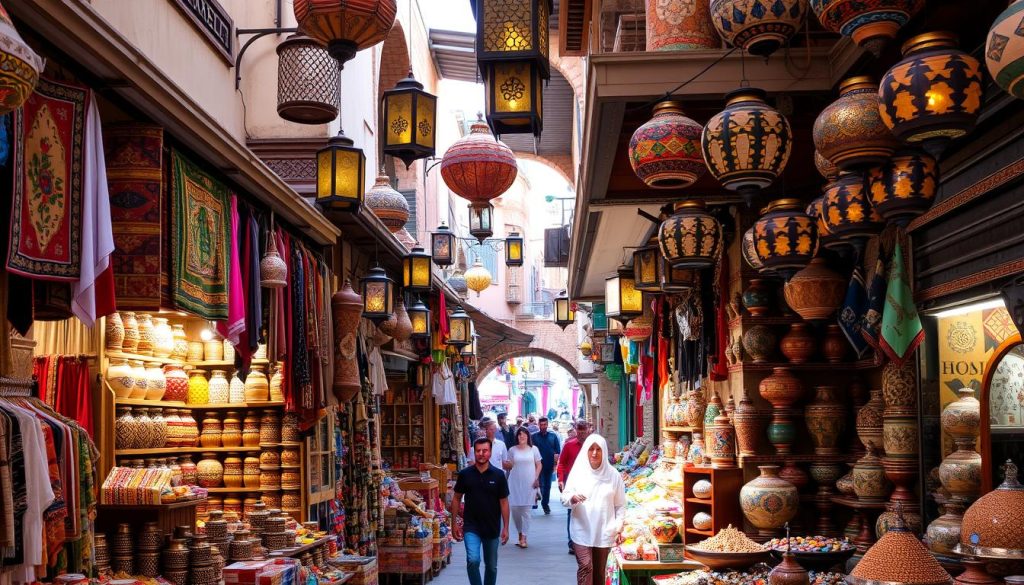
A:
(639, 421)
(662, 357)
(442, 319)
(570, 450)
(106, 300)
(41, 371)
(719, 365)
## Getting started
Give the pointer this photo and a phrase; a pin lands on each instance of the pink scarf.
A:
(232, 328)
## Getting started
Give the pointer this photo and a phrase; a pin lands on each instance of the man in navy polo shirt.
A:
(550, 447)
(484, 518)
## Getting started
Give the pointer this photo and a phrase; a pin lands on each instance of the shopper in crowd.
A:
(531, 423)
(596, 497)
(483, 520)
(523, 481)
(549, 446)
(499, 451)
(566, 459)
(508, 432)
(519, 420)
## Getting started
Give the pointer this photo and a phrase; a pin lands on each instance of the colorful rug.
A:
(200, 223)
(48, 139)
(134, 154)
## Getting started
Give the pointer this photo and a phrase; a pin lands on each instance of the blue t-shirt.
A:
(481, 500)
(549, 447)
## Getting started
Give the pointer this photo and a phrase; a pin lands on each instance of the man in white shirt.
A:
(499, 451)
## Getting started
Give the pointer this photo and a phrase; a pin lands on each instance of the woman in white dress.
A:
(523, 481)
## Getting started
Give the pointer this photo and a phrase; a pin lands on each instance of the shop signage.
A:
(213, 22)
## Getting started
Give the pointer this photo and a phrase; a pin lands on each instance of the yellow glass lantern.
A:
(514, 250)
(442, 246)
(416, 270)
(481, 217)
(340, 174)
(646, 268)
(410, 118)
(565, 314)
(460, 332)
(677, 279)
(377, 295)
(513, 97)
(621, 297)
(419, 316)
(478, 278)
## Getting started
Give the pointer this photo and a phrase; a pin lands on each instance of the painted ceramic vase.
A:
(869, 23)
(175, 428)
(236, 389)
(125, 432)
(757, 27)
(943, 534)
(270, 456)
(198, 387)
(188, 470)
(680, 25)
(696, 452)
(722, 445)
(233, 476)
(212, 429)
(747, 423)
(121, 377)
(696, 404)
(191, 435)
(845, 483)
(711, 411)
(146, 339)
(156, 383)
(270, 477)
(195, 351)
(847, 213)
(1004, 50)
(159, 427)
(825, 475)
(691, 237)
(899, 386)
(899, 435)
(163, 338)
(251, 472)
(113, 332)
(209, 471)
(768, 501)
(665, 151)
(889, 519)
(213, 350)
(815, 292)
(826, 420)
(231, 430)
(180, 351)
(932, 96)
(798, 344)
(904, 187)
(141, 380)
(748, 250)
(759, 342)
(869, 483)
(277, 383)
(962, 417)
(869, 421)
(782, 389)
(251, 429)
(346, 308)
(175, 383)
(147, 433)
(792, 473)
(702, 489)
(960, 471)
(757, 298)
(218, 388)
(834, 346)
(785, 237)
(850, 132)
(257, 389)
(130, 343)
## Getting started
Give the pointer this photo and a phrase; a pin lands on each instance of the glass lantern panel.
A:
(399, 125)
(376, 300)
(512, 85)
(515, 250)
(507, 25)
(459, 330)
(646, 267)
(426, 110)
(631, 299)
(611, 296)
(419, 323)
(441, 248)
(420, 272)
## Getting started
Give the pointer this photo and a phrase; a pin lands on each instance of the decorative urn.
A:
(679, 25)
(747, 422)
(346, 308)
(1004, 50)
(759, 343)
(768, 501)
(847, 211)
(869, 23)
(665, 151)
(850, 132)
(756, 27)
(798, 345)
(815, 292)
(826, 420)
(904, 187)
(785, 238)
(691, 237)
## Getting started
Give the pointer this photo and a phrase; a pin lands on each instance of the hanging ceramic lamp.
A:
(1004, 50)
(273, 269)
(758, 27)
(904, 187)
(478, 167)
(388, 205)
(785, 238)
(850, 132)
(308, 81)
(478, 278)
(20, 66)
(680, 25)
(346, 26)
(746, 146)
(847, 212)
(665, 151)
(691, 237)
(870, 23)
(933, 95)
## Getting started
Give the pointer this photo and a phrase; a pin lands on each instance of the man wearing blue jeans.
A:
(549, 447)
(484, 518)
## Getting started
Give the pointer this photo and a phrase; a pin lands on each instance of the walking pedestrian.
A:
(566, 459)
(523, 481)
(596, 496)
(508, 433)
(531, 423)
(549, 446)
(499, 451)
(483, 521)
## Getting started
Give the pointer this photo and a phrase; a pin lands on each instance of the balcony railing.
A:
(535, 311)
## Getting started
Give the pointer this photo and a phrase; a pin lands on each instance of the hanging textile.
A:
(201, 221)
(6, 357)
(64, 384)
(851, 313)
(232, 328)
(872, 322)
(46, 214)
(134, 157)
(719, 370)
(901, 329)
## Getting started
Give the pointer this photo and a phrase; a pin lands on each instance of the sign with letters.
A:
(213, 22)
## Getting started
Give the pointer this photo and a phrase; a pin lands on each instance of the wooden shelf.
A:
(143, 358)
(700, 532)
(187, 450)
(675, 429)
(176, 404)
(225, 363)
(698, 501)
(865, 364)
(167, 506)
(792, 457)
(228, 490)
(857, 504)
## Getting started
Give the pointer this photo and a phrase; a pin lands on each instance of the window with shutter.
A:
(556, 247)
(412, 223)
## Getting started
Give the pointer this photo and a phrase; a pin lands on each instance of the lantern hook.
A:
(257, 34)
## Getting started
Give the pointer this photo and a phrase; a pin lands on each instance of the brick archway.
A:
(549, 341)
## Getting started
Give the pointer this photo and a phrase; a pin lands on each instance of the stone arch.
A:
(515, 352)
(394, 60)
(562, 164)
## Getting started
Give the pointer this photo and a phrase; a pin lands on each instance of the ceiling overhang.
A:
(454, 54)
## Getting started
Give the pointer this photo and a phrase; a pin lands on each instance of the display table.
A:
(625, 572)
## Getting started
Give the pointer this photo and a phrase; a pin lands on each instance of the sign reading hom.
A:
(213, 22)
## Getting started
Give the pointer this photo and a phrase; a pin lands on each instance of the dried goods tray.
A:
(818, 561)
(727, 560)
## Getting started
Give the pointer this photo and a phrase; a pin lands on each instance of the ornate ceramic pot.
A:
(191, 434)
(126, 432)
(236, 389)
(156, 383)
(665, 151)
(213, 350)
(690, 237)
(702, 521)
(722, 446)
(870, 23)
(290, 428)
(788, 572)
(257, 388)
(758, 29)
(747, 422)
(130, 343)
(212, 429)
(290, 456)
(209, 471)
(759, 341)
(147, 437)
(180, 351)
(188, 470)
(175, 383)
(782, 389)
(231, 433)
(834, 346)
(159, 427)
(113, 332)
(198, 387)
(696, 404)
(270, 456)
(757, 298)
(233, 473)
(899, 435)
(218, 388)
(712, 410)
(768, 501)
(850, 132)
(899, 386)
(845, 483)
(228, 350)
(346, 307)
(146, 339)
(904, 187)
(792, 473)
(816, 291)
(962, 417)
(251, 429)
(702, 489)
(175, 428)
(748, 250)
(696, 452)
(825, 475)
(270, 477)
(960, 471)
(121, 377)
(826, 420)
(680, 25)
(277, 383)
(799, 344)
(869, 421)
(270, 427)
(943, 534)
(785, 237)
(869, 481)
(163, 338)
(141, 385)
(889, 519)
(846, 211)
(1004, 51)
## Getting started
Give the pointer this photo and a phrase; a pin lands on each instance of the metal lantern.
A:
(478, 278)
(565, 315)
(340, 174)
(691, 237)
(759, 28)
(419, 316)
(847, 213)
(416, 274)
(746, 146)
(481, 216)
(513, 31)
(388, 205)
(308, 81)
(850, 132)
(646, 268)
(346, 26)
(676, 279)
(870, 23)
(514, 250)
(513, 93)
(442, 246)
(904, 187)
(621, 297)
(933, 95)
(378, 295)
(460, 333)
(410, 120)
(665, 151)
(785, 238)
(21, 66)
(478, 167)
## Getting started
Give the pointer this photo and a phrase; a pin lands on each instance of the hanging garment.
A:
(871, 326)
(719, 370)
(851, 313)
(901, 330)
(232, 328)
(444, 386)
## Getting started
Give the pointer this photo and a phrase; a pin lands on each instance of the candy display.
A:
(811, 544)
(729, 539)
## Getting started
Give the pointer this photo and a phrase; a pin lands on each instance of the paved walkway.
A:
(545, 561)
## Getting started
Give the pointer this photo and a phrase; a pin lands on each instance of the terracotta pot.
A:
(680, 25)
(960, 471)
(792, 473)
(212, 429)
(209, 471)
(869, 481)
(404, 329)
(899, 435)
(759, 342)
(826, 420)
(218, 388)
(899, 386)
(251, 429)
(121, 377)
(782, 389)
(747, 422)
(835, 346)
(231, 435)
(788, 572)
(146, 340)
(696, 404)
(798, 344)
(816, 291)
(233, 473)
(757, 297)
(346, 308)
(113, 332)
(943, 534)
(768, 501)
(962, 417)
(975, 573)
(257, 388)
(869, 421)
(175, 428)
(130, 343)
(175, 383)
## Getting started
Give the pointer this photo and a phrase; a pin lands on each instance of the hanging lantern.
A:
(514, 250)
(621, 297)
(19, 66)
(933, 95)
(639, 329)
(410, 118)
(749, 250)
(646, 267)
(785, 238)
(308, 81)
(676, 279)
(480, 221)
(825, 167)
(665, 151)
(850, 132)
(416, 274)
(585, 347)
(458, 283)
(478, 167)
(870, 24)
(346, 26)
(442, 246)
(403, 328)
(746, 146)
(340, 174)
(478, 278)
(513, 92)
(1004, 51)
(565, 314)
(847, 213)
(691, 237)
(904, 187)
(758, 28)
(459, 328)
(377, 295)
(388, 205)
(419, 316)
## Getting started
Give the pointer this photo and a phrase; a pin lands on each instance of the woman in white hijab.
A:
(597, 496)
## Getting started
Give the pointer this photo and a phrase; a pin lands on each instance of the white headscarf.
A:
(597, 520)
(582, 477)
